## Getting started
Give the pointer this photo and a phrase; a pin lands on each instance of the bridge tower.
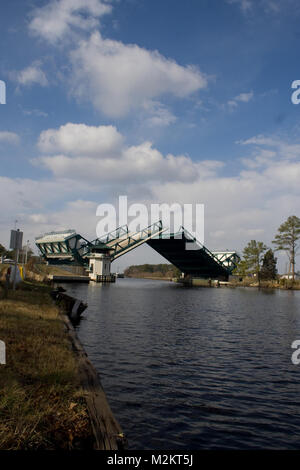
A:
(99, 265)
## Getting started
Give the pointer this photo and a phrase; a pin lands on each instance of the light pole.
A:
(27, 246)
(16, 263)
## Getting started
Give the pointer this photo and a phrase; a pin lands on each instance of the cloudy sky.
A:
(160, 100)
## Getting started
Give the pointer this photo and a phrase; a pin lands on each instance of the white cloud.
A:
(259, 158)
(283, 149)
(25, 195)
(118, 78)
(260, 140)
(241, 98)
(10, 137)
(268, 6)
(58, 18)
(98, 154)
(277, 6)
(251, 204)
(31, 202)
(30, 75)
(245, 5)
(35, 112)
(244, 97)
(78, 214)
(80, 139)
(135, 165)
(158, 114)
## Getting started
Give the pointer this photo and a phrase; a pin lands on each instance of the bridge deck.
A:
(196, 262)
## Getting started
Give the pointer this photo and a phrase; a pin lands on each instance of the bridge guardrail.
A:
(205, 249)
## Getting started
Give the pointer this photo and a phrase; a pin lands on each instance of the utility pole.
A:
(16, 238)
(26, 255)
(15, 270)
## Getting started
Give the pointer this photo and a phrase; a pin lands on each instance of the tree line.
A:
(260, 260)
(162, 270)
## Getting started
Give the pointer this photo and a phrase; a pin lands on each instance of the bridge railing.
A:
(134, 239)
(113, 235)
(207, 251)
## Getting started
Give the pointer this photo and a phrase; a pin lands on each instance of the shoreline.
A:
(153, 278)
(197, 282)
(107, 432)
(52, 397)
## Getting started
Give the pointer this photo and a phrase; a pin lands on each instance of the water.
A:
(196, 368)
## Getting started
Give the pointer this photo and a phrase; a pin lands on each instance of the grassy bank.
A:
(246, 282)
(273, 284)
(41, 403)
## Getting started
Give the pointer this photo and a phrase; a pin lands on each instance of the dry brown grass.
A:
(272, 284)
(55, 270)
(41, 403)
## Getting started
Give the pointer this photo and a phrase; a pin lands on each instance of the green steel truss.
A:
(67, 250)
(72, 248)
(230, 259)
(112, 236)
(132, 240)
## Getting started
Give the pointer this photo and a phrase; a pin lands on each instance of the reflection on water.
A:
(196, 368)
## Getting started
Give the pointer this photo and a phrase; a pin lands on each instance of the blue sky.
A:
(165, 101)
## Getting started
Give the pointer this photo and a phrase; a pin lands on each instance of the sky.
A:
(163, 101)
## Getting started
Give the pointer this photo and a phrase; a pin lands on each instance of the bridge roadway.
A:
(192, 258)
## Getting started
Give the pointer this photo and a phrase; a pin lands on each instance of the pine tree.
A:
(287, 238)
(268, 269)
(241, 268)
(253, 257)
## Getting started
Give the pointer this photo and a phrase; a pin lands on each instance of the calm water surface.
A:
(195, 368)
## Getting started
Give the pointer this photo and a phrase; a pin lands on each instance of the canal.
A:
(195, 368)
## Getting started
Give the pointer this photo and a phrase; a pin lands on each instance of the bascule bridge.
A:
(181, 249)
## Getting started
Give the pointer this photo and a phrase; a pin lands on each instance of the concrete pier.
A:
(68, 278)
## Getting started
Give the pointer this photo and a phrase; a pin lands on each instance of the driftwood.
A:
(107, 431)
